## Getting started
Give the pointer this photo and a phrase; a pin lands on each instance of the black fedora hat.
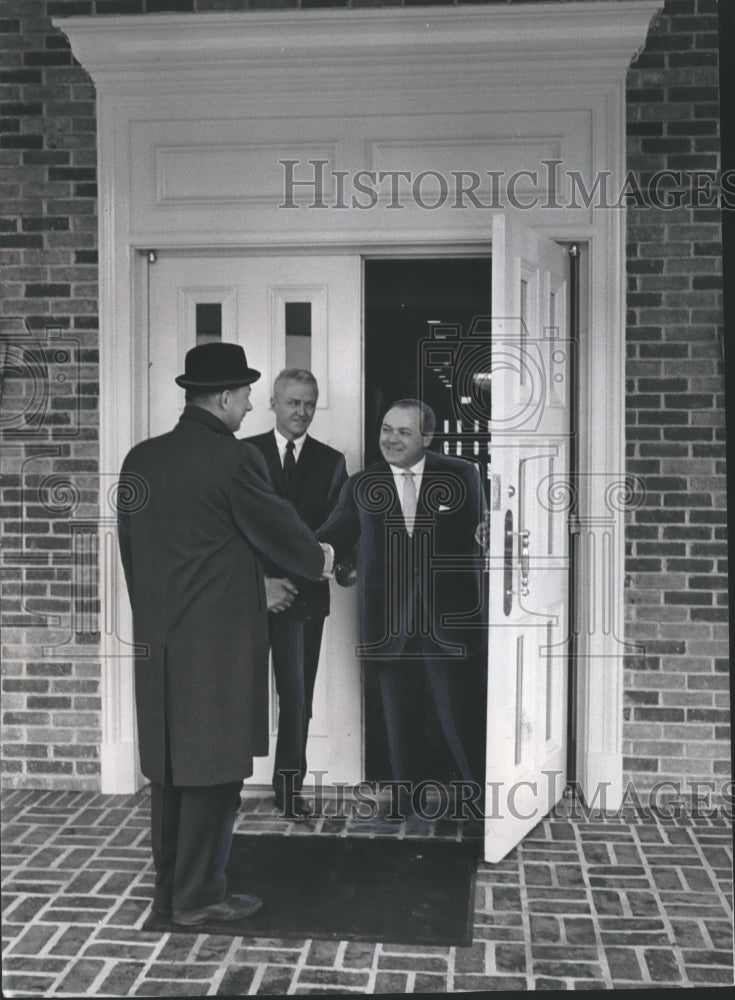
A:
(216, 366)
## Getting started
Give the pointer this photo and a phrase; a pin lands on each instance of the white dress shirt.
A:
(281, 443)
(398, 473)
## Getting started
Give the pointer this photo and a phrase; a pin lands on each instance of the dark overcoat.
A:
(319, 475)
(196, 512)
(431, 584)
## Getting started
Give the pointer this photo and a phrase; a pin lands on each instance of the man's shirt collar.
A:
(282, 441)
(417, 469)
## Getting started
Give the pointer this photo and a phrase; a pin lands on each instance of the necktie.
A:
(409, 501)
(289, 463)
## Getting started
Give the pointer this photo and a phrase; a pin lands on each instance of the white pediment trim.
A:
(549, 41)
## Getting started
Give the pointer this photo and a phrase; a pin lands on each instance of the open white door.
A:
(252, 300)
(529, 539)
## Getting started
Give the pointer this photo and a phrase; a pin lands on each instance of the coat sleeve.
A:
(123, 537)
(339, 478)
(342, 528)
(478, 507)
(477, 494)
(346, 564)
(271, 523)
(475, 509)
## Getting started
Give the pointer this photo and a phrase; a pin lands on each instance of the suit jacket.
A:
(196, 512)
(318, 478)
(431, 584)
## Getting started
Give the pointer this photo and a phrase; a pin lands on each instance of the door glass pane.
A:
(298, 335)
(208, 323)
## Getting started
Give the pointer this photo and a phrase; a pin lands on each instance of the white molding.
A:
(537, 39)
(602, 463)
(240, 153)
(118, 761)
(335, 73)
(118, 377)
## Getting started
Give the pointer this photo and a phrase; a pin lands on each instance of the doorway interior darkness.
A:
(405, 301)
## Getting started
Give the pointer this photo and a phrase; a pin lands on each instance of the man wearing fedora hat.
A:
(196, 513)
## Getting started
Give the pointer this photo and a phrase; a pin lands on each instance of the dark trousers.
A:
(191, 836)
(456, 689)
(295, 646)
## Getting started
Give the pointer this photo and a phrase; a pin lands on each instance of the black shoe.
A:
(233, 907)
(161, 902)
(293, 807)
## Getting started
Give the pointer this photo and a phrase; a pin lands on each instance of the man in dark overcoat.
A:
(310, 474)
(422, 592)
(196, 514)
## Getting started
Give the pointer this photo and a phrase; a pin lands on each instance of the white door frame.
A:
(193, 108)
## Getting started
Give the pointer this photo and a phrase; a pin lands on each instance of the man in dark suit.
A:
(196, 514)
(310, 474)
(421, 586)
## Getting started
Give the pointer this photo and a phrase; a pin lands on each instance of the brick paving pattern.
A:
(582, 903)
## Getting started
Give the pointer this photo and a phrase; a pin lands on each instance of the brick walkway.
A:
(580, 904)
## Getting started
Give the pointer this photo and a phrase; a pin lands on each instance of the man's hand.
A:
(345, 572)
(328, 560)
(482, 533)
(280, 593)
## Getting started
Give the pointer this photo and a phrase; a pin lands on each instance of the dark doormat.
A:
(350, 888)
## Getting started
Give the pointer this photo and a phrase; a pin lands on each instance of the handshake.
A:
(280, 592)
(345, 571)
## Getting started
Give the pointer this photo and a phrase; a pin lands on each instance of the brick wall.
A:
(48, 413)
(676, 713)
(677, 689)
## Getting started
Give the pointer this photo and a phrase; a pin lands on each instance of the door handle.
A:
(525, 561)
(508, 563)
(525, 555)
(482, 537)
